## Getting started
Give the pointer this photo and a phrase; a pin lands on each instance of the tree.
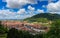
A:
(2, 29)
(55, 30)
(25, 34)
(40, 35)
(13, 33)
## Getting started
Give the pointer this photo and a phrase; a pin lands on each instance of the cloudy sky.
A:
(21, 9)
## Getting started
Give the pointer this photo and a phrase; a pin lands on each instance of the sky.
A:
(21, 9)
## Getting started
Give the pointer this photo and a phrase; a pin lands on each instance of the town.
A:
(31, 27)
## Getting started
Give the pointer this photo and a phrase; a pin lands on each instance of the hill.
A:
(43, 17)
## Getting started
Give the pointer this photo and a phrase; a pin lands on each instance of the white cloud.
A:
(7, 14)
(40, 11)
(20, 14)
(21, 11)
(54, 7)
(54, 12)
(31, 8)
(19, 3)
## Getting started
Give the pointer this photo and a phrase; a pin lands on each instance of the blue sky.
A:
(21, 9)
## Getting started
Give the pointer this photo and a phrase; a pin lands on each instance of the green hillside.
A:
(43, 17)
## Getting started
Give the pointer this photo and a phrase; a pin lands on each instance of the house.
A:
(25, 26)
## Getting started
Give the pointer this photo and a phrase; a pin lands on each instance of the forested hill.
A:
(47, 16)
